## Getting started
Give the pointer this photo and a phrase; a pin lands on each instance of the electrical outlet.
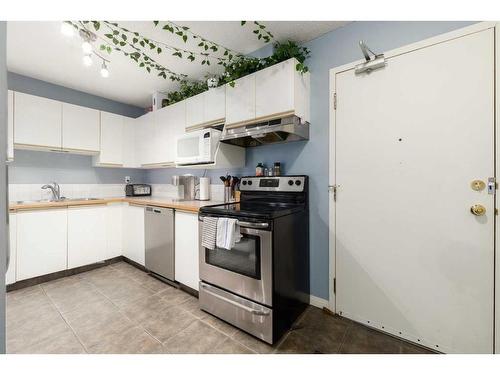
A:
(127, 179)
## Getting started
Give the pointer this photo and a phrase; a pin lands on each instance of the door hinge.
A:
(334, 285)
(335, 101)
(334, 189)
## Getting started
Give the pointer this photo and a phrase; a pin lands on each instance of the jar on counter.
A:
(259, 170)
(277, 168)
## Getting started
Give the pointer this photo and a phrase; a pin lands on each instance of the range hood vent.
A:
(287, 129)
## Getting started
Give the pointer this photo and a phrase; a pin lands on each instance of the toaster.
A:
(137, 190)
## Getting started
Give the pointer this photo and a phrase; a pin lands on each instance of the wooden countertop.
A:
(177, 204)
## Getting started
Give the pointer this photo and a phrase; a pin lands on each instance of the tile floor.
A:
(120, 309)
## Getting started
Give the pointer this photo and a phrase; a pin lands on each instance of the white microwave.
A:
(197, 147)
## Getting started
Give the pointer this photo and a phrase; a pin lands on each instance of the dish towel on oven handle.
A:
(209, 233)
(228, 233)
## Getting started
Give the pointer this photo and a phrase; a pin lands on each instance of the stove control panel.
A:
(281, 183)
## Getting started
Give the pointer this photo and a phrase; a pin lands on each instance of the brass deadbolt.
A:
(478, 210)
(477, 185)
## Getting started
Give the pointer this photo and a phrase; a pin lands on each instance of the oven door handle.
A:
(234, 303)
(249, 224)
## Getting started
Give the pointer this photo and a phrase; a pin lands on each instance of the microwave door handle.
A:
(234, 303)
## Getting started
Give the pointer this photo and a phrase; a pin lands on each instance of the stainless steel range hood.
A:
(287, 129)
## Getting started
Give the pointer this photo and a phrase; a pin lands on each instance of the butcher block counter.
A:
(177, 204)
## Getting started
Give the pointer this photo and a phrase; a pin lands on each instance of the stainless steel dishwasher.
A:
(159, 236)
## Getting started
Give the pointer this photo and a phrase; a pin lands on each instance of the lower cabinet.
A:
(114, 230)
(186, 249)
(133, 235)
(41, 242)
(10, 276)
(86, 235)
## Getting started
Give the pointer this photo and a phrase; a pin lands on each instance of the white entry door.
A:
(411, 257)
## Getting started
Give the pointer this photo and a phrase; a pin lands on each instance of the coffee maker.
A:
(190, 186)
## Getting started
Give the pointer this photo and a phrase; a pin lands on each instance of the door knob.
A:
(478, 210)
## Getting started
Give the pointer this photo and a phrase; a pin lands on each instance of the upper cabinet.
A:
(80, 129)
(170, 122)
(206, 109)
(275, 92)
(10, 126)
(240, 100)
(111, 145)
(38, 122)
(129, 143)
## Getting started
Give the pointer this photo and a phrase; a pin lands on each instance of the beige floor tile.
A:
(170, 322)
(253, 343)
(132, 341)
(198, 338)
(34, 331)
(72, 295)
(173, 296)
(230, 346)
(63, 343)
(145, 308)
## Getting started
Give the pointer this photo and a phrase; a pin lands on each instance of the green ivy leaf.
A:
(243, 22)
(184, 38)
(135, 40)
(122, 43)
(110, 36)
(158, 50)
(116, 32)
(156, 23)
(124, 37)
(148, 69)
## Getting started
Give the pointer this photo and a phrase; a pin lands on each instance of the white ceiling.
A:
(39, 50)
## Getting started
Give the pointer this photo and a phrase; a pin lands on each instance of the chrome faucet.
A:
(56, 190)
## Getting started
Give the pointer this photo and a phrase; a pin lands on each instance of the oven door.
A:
(246, 269)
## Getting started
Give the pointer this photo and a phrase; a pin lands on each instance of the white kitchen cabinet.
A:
(114, 230)
(214, 109)
(240, 100)
(195, 110)
(41, 242)
(129, 152)
(38, 122)
(86, 235)
(10, 276)
(170, 123)
(186, 249)
(148, 140)
(111, 145)
(80, 129)
(281, 91)
(10, 125)
(206, 109)
(133, 233)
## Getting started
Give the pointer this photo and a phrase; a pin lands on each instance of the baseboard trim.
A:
(318, 302)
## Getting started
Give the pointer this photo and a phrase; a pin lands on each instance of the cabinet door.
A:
(38, 121)
(41, 242)
(80, 128)
(177, 126)
(215, 105)
(86, 235)
(129, 144)
(186, 249)
(114, 231)
(111, 150)
(10, 126)
(148, 140)
(240, 100)
(163, 135)
(274, 89)
(10, 277)
(133, 233)
(195, 110)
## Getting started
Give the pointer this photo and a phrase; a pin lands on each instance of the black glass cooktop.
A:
(253, 208)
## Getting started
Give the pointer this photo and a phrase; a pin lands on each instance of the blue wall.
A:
(36, 167)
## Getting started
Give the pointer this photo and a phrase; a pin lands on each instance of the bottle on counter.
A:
(277, 168)
(259, 170)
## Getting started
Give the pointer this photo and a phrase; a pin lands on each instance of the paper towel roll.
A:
(204, 188)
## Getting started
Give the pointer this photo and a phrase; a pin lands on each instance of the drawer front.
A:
(242, 313)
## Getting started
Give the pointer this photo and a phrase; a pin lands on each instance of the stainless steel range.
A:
(261, 285)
